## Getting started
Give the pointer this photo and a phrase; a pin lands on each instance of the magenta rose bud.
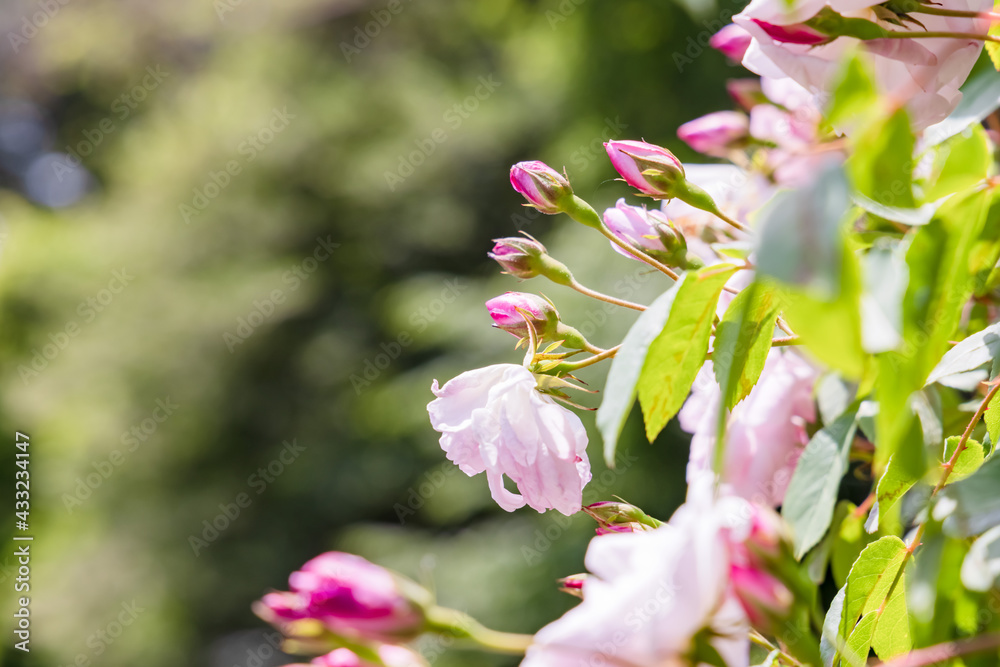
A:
(514, 312)
(351, 597)
(652, 170)
(795, 33)
(520, 257)
(543, 187)
(573, 584)
(717, 133)
(733, 41)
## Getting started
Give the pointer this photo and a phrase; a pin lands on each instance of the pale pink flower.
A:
(494, 420)
(924, 74)
(732, 41)
(391, 656)
(766, 431)
(651, 592)
(349, 595)
(716, 133)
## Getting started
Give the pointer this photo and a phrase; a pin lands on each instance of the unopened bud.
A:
(520, 257)
(651, 169)
(766, 600)
(618, 517)
(746, 92)
(514, 312)
(647, 230)
(544, 187)
(573, 584)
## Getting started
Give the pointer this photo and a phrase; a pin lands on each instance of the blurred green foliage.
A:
(345, 349)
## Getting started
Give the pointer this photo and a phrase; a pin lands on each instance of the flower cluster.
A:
(736, 349)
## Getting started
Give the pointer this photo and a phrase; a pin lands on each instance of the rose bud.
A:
(617, 517)
(543, 187)
(746, 92)
(520, 257)
(515, 311)
(766, 601)
(652, 170)
(646, 230)
(351, 597)
(716, 133)
(733, 41)
(573, 584)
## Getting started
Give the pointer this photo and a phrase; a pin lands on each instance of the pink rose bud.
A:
(616, 517)
(647, 230)
(520, 257)
(514, 312)
(746, 92)
(733, 41)
(351, 597)
(391, 656)
(767, 601)
(652, 170)
(573, 584)
(795, 33)
(543, 187)
(717, 133)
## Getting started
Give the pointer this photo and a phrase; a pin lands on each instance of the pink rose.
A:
(766, 431)
(494, 420)
(350, 596)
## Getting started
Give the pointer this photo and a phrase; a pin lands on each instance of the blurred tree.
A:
(240, 240)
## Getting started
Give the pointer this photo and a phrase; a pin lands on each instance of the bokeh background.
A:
(237, 228)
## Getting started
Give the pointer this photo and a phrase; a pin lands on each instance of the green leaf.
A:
(940, 284)
(854, 93)
(885, 276)
(908, 216)
(620, 388)
(872, 576)
(980, 98)
(975, 501)
(977, 350)
(850, 540)
(969, 461)
(992, 419)
(893, 485)
(812, 492)
(677, 354)
(860, 640)
(981, 566)
(831, 628)
(961, 162)
(892, 624)
(883, 170)
(799, 234)
(831, 328)
(742, 341)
